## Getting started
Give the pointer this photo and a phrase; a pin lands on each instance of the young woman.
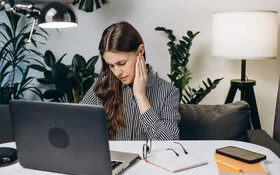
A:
(139, 105)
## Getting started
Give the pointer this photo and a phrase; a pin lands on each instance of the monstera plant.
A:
(69, 82)
(180, 75)
(89, 5)
(17, 52)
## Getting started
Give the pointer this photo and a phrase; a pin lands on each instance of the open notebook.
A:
(66, 138)
(168, 160)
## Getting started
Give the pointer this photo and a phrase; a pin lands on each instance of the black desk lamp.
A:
(245, 35)
(52, 15)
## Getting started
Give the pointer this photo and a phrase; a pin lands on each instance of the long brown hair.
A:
(119, 37)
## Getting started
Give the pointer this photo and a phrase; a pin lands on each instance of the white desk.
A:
(204, 149)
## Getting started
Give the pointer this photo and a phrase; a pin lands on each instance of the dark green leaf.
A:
(60, 59)
(38, 67)
(52, 94)
(78, 62)
(49, 58)
(75, 2)
(97, 4)
(74, 80)
(160, 29)
(190, 34)
(44, 81)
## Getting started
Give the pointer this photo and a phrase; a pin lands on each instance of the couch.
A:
(225, 122)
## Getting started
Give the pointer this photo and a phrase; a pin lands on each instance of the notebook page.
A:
(170, 162)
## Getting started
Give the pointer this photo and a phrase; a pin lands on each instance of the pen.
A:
(228, 165)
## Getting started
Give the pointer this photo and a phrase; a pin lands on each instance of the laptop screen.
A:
(61, 137)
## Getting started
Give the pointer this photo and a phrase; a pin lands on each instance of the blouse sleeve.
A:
(163, 126)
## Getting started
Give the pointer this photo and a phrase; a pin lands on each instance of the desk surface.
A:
(205, 149)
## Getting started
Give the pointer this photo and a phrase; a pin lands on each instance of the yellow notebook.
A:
(227, 165)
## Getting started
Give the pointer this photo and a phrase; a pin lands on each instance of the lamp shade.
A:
(57, 15)
(245, 34)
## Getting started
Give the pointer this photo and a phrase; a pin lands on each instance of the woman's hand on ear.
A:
(139, 84)
(140, 79)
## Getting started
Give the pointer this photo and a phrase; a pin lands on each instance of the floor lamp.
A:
(245, 35)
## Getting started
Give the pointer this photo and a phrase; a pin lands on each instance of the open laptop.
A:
(66, 138)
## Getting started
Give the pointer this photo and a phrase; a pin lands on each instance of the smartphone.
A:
(241, 154)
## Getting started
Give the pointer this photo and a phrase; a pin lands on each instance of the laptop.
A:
(65, 138)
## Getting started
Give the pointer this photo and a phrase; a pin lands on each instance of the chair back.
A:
(6, 134)
(276, 130)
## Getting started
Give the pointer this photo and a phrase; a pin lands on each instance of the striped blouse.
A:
(160, 122)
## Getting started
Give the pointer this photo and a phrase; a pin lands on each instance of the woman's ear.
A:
(141, 49)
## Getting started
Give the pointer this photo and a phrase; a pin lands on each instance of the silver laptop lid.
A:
(60, 137)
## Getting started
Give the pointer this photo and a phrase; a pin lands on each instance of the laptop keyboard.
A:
(115, 164)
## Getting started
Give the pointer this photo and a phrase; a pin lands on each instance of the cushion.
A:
(215, 122)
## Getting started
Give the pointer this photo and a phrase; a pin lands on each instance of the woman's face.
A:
(122, 64)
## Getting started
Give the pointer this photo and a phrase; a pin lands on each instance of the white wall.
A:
(180, 16)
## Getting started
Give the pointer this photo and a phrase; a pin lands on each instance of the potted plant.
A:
(180, 75)
(89, 5)
(70, 82)
(16, 54)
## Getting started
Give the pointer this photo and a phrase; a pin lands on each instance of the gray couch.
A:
(225, 122)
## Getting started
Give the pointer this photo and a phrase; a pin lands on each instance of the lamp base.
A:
(248, 95)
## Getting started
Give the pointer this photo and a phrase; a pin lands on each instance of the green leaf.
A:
(190, 34)
(38, 67)
(104, 2)
(59, 73)
(172, 37)
(60, 59)
(183, 44)
(49, 58)
(209, 81)
(88, 5)
(75, 2)
(52, 94)
(90, 65)
(78, 62)
(186, 39)
(97, 4)
(74, 80)
(160, 29)
(44, 81)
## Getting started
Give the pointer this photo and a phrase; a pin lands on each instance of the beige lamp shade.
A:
(245, 34)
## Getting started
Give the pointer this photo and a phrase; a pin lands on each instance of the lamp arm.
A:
(4, 6)
(20, 9)
(26, 10)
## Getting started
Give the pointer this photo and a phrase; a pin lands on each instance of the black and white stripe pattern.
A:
(160, 122)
